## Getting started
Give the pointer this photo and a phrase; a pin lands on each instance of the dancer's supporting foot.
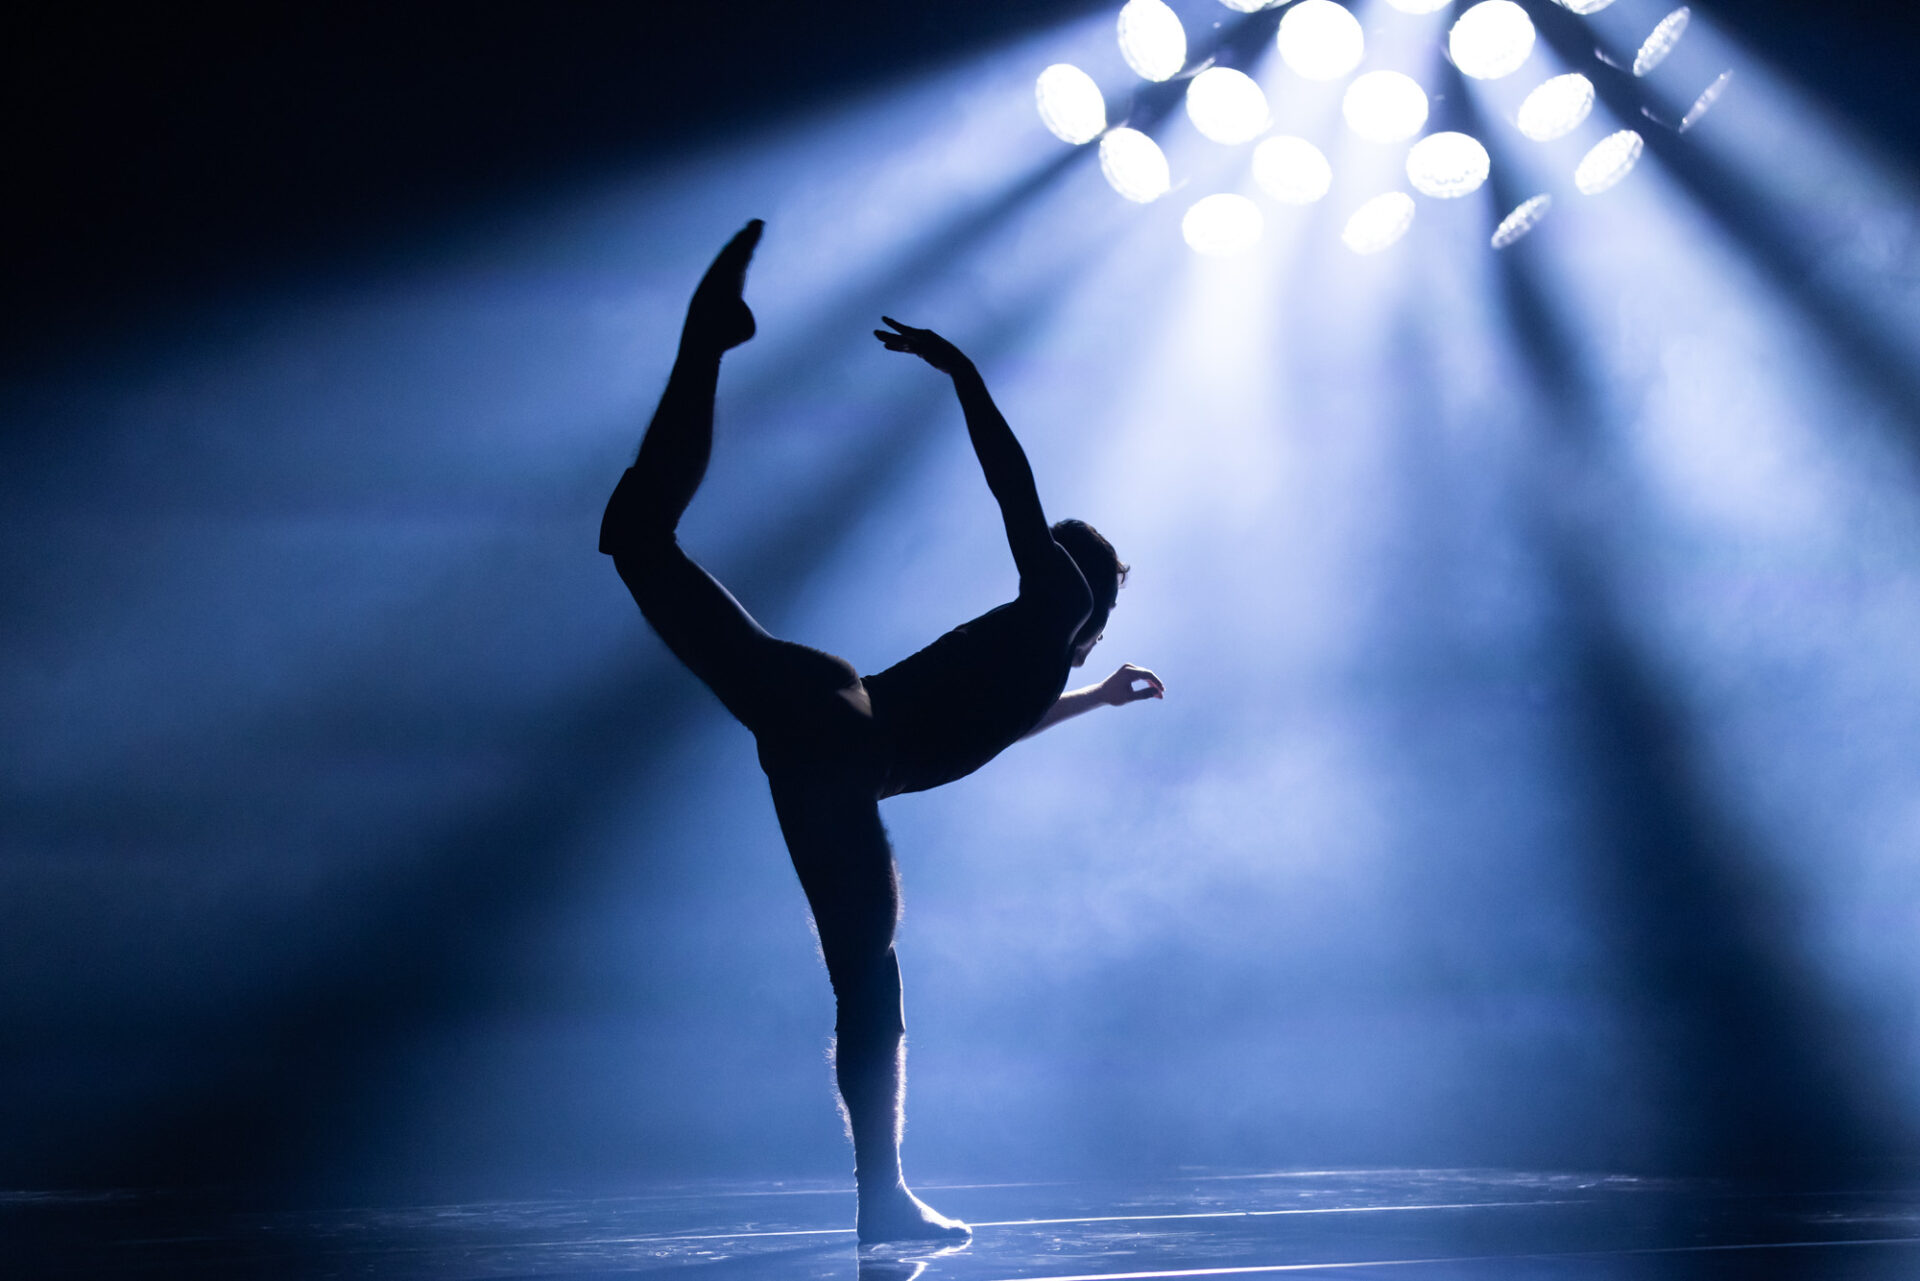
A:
(895, 1214)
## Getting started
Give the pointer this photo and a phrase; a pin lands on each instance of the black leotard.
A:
(947, 710)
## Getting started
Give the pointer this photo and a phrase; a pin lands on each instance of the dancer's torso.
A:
(946, 711)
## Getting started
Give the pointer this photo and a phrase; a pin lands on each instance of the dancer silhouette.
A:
(833, 743)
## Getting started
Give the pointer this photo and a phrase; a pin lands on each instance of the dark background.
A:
(165, 151)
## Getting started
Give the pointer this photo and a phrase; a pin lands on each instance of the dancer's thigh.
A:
(840, 851)
(786, 693)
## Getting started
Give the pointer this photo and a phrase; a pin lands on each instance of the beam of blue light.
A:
(343, 680)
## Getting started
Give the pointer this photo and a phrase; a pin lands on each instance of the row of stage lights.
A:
(1320, 40)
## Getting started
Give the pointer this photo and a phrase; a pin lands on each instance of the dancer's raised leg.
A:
(700, 621)
(653, 495)
(840, 850)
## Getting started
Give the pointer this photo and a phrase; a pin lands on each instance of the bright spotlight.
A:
(1291, 170)
(1320, 40)
(1378, 223)
(1447, 165)
(1419, 6)
(1250, 6)
(1227, 106)
(1491, 39)
(1582, 7)
(1221, 226)
(1661, 42)
(1611, 159)
(1705, 101)
(1556, 108)
(1070, 103)
(1384, 106)
(1152, 40)
(1134, 165)
(1523, 219)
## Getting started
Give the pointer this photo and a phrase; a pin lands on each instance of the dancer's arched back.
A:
(834, 744)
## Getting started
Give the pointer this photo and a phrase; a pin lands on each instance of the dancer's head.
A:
(1104, 573)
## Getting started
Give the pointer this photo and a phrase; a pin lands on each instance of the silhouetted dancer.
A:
(834, 744)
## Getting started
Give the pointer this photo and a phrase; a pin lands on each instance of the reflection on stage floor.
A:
(1409, 1225)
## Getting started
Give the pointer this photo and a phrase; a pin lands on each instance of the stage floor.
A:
(1427, 1225)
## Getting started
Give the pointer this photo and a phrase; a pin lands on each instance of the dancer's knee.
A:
(635, 527)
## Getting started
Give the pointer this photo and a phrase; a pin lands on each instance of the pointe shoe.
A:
(718, 316)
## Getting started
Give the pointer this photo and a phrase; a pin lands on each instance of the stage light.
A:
(1378, 223)
(1134, 165)
(1610, 160)
(1223, 225)
(1227, 106)
(1525, 217)
(1491, 40)
(1661, 42)
(1291, 170)
(1705, 101)
(1070, 103)
(1556, 108)
(1446, 165)
(1384, 106)
(1319, 40)
(1323, 40)
(1152, 40)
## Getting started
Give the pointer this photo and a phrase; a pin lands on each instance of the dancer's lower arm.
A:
(1128, 684)
(1069, 705)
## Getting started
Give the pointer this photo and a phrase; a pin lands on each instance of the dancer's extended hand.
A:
(1130, 684)
(924, 343)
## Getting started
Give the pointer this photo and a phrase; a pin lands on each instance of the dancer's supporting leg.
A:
(846, 867)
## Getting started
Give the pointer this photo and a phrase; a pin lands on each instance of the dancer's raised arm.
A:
(1008, 474)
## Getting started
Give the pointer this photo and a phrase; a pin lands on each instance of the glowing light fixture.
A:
(1221, 226)
(1611, 159)
(1227, 106)
(1556, 108)
(1320, 40)
(1705, 101)
(1384, 106)
(1525, 217)
(1134, 165)
(1250, 6)
(1661, 42)
(1491, 40)
(1379, 223)
(1583, 7)
(1291, 170)
(1446, 165)
(1419, 6)
(1152, 40)
(1070, 103)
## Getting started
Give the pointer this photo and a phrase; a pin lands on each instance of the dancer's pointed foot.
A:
(895, 1214)
(718, 317)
